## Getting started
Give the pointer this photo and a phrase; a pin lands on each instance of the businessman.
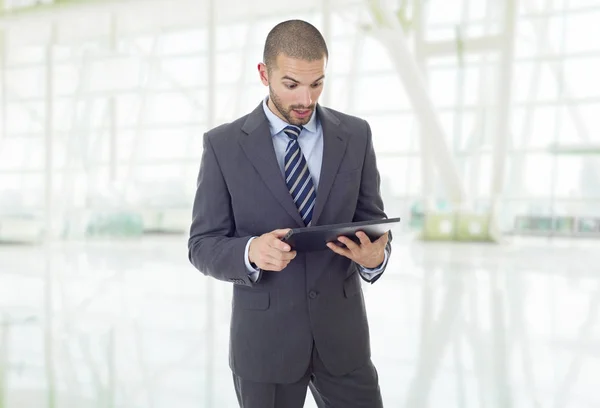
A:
(298, 319)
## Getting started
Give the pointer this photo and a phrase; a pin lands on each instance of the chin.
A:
(298, 121)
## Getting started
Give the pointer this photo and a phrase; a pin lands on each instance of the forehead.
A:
(300, 68)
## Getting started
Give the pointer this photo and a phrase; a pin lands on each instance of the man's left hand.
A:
(368, 254)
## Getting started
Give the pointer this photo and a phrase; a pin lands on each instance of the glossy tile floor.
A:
(131, 324)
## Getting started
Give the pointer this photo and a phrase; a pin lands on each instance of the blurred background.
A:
(486, 123)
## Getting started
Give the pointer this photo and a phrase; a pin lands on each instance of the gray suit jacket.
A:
(241, 193)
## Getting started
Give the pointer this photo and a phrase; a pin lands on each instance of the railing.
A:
(567, 226)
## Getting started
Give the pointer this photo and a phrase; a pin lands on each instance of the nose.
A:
(305, 98)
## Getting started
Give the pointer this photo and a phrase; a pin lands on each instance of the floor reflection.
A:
(132, 324)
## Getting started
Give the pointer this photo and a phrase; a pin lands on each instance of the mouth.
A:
(302, 112)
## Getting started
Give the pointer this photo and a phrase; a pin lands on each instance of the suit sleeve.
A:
(370, 202)
(212, 247)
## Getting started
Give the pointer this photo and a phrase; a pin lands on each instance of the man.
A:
(298, 319)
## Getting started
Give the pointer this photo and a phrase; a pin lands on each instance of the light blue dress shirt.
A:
(311, 144)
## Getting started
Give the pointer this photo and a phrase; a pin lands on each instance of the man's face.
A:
(294, 87)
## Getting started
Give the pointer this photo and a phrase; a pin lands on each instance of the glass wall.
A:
(116, 104)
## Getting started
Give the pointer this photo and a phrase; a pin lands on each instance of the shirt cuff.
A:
(374, 271)
(253, 272)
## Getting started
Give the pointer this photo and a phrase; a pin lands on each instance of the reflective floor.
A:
(131, 324)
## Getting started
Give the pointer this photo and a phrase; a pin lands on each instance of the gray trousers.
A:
(357, 389)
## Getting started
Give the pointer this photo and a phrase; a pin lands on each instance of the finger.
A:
(269, 264)
(279, 245)
(288, 256)
(276, 264)
(280, 233)
(364, 238)
(339, 250)
(275, 253)
(282, 256)
(383, 240)
(351, 245)
(271, 267)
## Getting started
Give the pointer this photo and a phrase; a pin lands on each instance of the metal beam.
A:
(210, 310)
(392, 37)
(112, 111)
(3, 84)
(427, 166)
(576, 149)
(504, 102)
(36, 8)
(565, 97)
(48, 133)
(326, 31)
(470, 46)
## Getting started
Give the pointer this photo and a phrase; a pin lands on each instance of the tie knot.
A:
(292, 131)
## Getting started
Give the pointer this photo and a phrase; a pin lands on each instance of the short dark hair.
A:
(296, 39)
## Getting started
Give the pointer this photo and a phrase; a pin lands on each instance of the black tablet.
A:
(316, 238)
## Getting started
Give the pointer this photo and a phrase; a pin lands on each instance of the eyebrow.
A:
(293, 80)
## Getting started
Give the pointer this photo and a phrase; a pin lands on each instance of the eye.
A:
(318, 84)
(290, 86)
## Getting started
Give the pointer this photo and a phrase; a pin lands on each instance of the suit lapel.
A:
(258, 146)
(334, 148)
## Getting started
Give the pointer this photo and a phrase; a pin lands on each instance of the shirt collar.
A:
(277, 124)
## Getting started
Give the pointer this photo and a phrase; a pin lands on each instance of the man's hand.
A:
(368, 254)
(269, 253)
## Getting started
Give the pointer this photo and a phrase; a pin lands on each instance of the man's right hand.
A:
(269, 253)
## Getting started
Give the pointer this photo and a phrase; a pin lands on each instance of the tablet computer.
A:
(316, 238)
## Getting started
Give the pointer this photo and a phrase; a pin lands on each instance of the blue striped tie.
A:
(297, 176)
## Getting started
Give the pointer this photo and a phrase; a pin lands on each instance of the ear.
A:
(264, 74)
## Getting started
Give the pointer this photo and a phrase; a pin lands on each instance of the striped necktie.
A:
(297, 176)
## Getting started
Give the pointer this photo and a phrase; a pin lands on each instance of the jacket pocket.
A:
(348, 175)
(250, 300)
(352, 285)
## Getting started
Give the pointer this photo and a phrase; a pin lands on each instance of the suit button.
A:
(312, 294)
